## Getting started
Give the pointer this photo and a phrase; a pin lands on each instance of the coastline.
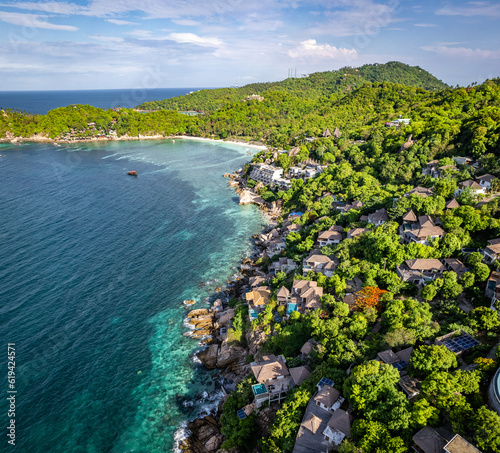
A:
(202, 434)
(44, 139)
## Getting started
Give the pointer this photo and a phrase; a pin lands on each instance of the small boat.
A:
(132, 173)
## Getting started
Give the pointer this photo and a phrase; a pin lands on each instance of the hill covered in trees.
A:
(313, 86)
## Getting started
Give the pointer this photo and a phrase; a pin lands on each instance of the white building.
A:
(266, 174)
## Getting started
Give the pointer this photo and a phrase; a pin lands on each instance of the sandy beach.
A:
(220, 141)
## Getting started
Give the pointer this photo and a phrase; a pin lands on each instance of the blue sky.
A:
(181, 43)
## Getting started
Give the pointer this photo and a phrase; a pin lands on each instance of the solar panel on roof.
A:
(277, 317)
(461, 343)
(325, 381)
(241, 414)
(400, 365)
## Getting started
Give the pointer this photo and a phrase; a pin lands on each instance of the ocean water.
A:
(41, 102)
(94, 267)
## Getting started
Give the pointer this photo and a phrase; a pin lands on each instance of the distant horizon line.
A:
(112, 89)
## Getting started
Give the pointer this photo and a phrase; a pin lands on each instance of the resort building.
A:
(485, 181)
(300, 374)
(266, 174)
(420, 191)
(357, 232)
(282, 265)
(431, 169)
(273, 378)
(283, 295)
(493, 288)
(308, 348)
(378, 217)
(422, 235)
(492, 251)
(428, 440)
(306, 295)
(257, 300)
(328, 398)
(338, 428)
(275, 247)
(420, 271)
(474, 187)
(452, 264)
(332, 236)
(317, 262)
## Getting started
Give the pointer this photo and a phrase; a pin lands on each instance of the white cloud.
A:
(49, 7)
(310, 49)
(121, 22)
(140, 33)
(471, 9)
(33, 21)
(106, 38)
(425, 25)
(186, 22)
(191, 38)
(462, 52)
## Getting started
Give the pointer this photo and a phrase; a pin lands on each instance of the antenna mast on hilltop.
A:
(290, 73)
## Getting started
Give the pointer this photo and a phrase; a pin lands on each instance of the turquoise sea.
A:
(94, 267)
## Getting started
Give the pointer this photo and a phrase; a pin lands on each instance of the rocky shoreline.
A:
(211, 325)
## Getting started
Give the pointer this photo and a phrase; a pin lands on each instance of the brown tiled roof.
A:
(283, 292)
(455, 264)
(422, 233)
(256, 281)
(358, 231)
(308, 347)
(429, 441)
(470, 183)
(426, 221)
(494, 249)
(325, 235)
(419, 190)
(336, 228)
(327, 395)
(410, 216)
(300, 374)
(259, 296)
(425, 265)
(452, 204)
(337, 133)
(270, 368)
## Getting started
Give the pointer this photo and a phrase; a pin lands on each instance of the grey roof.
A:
(429, 441)
(341, 421)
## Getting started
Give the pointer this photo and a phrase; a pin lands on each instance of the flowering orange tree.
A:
(369, 296)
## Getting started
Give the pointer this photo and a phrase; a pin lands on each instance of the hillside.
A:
(314, 86)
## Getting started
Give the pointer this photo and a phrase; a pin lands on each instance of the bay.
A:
(94, 266)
